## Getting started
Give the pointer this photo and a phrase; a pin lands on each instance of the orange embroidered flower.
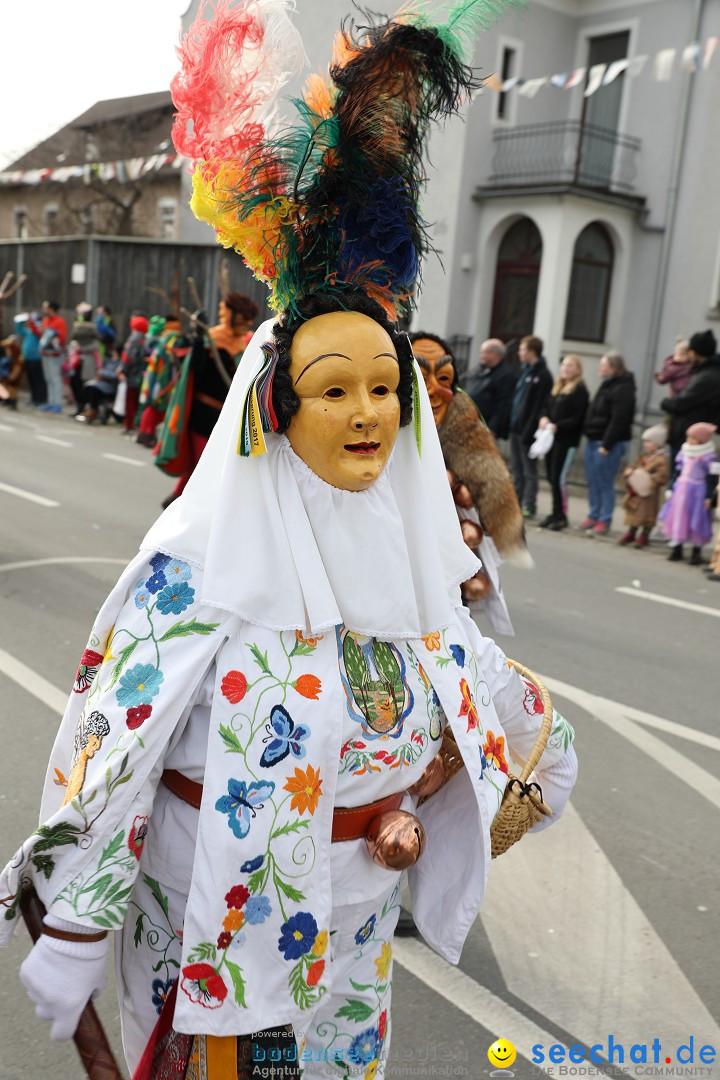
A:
(494, 751)
(309, 686)
(432, 641)
(234, 686)
(315, 971)
(233, 920)
(311, 642)
(423, 676)
(307, 789)
(468, 707)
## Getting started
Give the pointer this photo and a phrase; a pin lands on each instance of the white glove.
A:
(61, 976)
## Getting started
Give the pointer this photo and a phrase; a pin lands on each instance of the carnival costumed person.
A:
(686, 517)
(487, 506)
(163, 366)
(134, 358)
(280, 663)
(201, 388)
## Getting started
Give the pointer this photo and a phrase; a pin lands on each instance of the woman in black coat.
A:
(564, 412)
(608, 429)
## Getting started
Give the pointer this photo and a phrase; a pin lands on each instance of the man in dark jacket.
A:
(491, 387)
(608, 430)
(699, 402)
(531, 390)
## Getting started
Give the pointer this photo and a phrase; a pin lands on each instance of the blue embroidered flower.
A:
(160, 991)
(257, 910)
(175, 598)
(483, 762)
(458, 655)
(252, 865)
(365, 1046)
(297, 935)
(177, 571)
(159, 561)
(156, 582)
(365, 931)
(241, 802)
(238, 941)
(142, 595)
(139, 685)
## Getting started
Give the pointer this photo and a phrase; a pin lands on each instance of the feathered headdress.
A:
(331, 203)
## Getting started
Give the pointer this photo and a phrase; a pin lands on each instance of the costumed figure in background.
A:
(201, 388)
(686, 517)
(485, 499)
(134, 358)
(157, 384)
(279, 665)
(11, 369)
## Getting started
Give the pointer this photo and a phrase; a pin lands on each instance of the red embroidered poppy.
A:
(136, 717)
(237, 896)
(315, 971)
(494, 751)
(138, 832)
(382, 1024)
(203, 985)
(234, 686)
(309, 686)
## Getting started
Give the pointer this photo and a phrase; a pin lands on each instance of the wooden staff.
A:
(90, 1038)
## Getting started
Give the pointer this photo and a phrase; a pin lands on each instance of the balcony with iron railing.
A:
(564, 154)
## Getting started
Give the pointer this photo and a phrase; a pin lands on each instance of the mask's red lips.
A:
(363, 447)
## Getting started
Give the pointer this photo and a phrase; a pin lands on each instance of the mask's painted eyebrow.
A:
(389, 355)
(323, 356)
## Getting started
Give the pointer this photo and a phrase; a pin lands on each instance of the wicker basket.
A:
(522, 805)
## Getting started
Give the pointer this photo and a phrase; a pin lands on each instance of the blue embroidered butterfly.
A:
(285, 738)
(242, 802)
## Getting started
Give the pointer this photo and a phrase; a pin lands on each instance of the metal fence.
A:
(121, 274)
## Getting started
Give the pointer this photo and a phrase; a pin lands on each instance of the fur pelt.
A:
(470, 452)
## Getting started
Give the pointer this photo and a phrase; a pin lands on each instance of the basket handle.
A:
(546, 726)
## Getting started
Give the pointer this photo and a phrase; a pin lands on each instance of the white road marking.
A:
(125, 460)
(53, 442)
(32, 682)
(60, 559)
(6, 427)
(29, 495)
(470, 997)
(669, 600)
(558, 895)
(616, 717)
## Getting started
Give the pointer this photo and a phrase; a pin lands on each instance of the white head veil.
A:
(285, 550)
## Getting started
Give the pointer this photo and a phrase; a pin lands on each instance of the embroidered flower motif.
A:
(483, 763)
(468, 707)
(224, 939)
(242, 802)
(175, 598)
(320, 944)
(315, 971)
(108, 654)
(383, 961)
(307, 789)
(234, 686)
(90, 661)
(233, 921)
(532, 702)
(238, 940)
(177, 571)
(159, 561)
(432, 641)
(138, 832)
(139, 685)
(297, 935)
(143, 596)
(494, 750)
(237, 896)
(365, 931)
(283, 738)
(257, 910)
(251, 865)
(364, 1047)
(458, 654)
(136, 717)
(311, 642)
(203, 985)
(155, 583)
(160, 991)
(309, 686)
(382, 1024)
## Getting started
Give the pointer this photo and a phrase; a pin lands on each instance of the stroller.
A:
(100, 392)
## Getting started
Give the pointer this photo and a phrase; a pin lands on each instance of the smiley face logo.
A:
(502, 1054)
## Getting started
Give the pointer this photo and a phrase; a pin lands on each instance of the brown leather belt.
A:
(214, 403)
(349, 823)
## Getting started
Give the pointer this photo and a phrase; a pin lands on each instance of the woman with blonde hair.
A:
(564, 412)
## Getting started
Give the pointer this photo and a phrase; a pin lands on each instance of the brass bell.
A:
(395, 840)
(431, 780)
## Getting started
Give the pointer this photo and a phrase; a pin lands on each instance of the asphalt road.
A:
(605, 927)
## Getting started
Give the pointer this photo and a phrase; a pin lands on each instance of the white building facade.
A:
(591, 220)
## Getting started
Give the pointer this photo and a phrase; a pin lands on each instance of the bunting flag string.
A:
(129, 170)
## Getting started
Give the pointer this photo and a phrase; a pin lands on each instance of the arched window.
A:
(516, 281)
(590, 285)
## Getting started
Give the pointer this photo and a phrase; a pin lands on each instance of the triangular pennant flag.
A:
(576, 78)
(616, 68)
(560, 80)
(595, 79)
(531, 87)
(493, 82)
(710, 46)
(663, 66)
(691, 57)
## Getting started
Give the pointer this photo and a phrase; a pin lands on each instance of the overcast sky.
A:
(60, 58)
